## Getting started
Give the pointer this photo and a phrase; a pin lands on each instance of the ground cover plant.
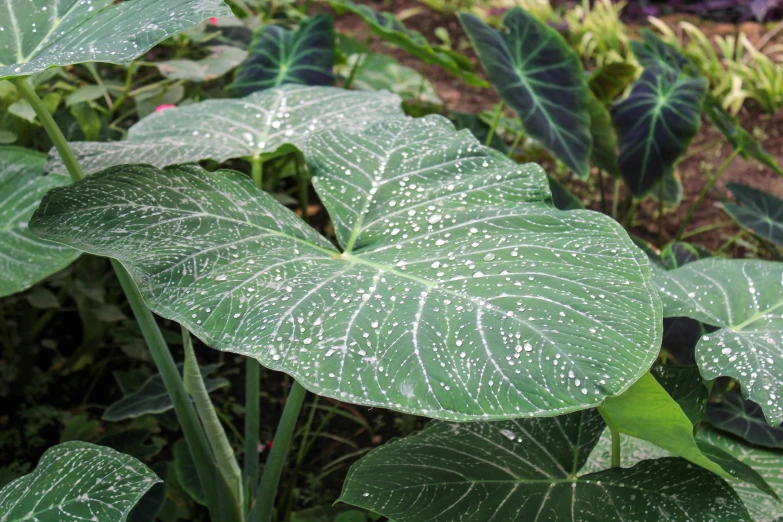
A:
(280, 203)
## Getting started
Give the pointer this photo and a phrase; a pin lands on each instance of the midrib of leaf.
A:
(755, 317)
(55, 25)
(17, 32)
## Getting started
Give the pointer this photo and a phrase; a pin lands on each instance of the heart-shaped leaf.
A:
(744, 299)
(279, 56)
(256, 125)
(152, 397)
(461, 293)
(655, 125)
(528, 470)
(25, 259)
(652, 52)
(744, 418)
(757, 212)
(767, 463)
(48, 33)
(221, 60)
(536, 73)
(77, 481)
(388, 27)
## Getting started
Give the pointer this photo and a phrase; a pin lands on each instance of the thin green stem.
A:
(125, 90)
(707, 228)
(616, 451)
(515, 144)
(61, 144)
(289, 497)
(493, 127)
(615, 197)
(729, 242)
(603, 191)
(627, 220)
(360, 59)
(704, 192)
(661, 196)
(257, 171)
(303, 183)
(267, 491)
(252, 421)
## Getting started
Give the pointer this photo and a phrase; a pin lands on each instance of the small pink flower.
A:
(213, 20)
(164, 107)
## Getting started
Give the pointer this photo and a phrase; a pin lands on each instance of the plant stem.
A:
(707, 228)
(603, 191)
(615, 198)
(304, 185)
(515, 144)
(267, 491)
(704, 192)
(360, 59)
(616, 451)
(28, 93)
(729, 242)
(257, 171)
(494, 126)
(661, 195)
(125, 90)
(252, 419)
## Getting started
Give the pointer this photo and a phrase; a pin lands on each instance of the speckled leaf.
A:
(279, 56)
(684, 385)
(25, 259)
(768, 463)
(77, 481)
(153, 398)
(655, 125)
(743, 418)
(527, 470)
(461, 294)
(745, 299)
(538, 75)
(757, 212)
(388, 27)
(36, 35)
(221, 60)
(223, 129)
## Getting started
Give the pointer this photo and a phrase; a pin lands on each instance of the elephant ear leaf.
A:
(25, 259)
(521, 469)
(757, 212)
(49, 33)
(655, 125)
(540, 77)
(652, 52)
(744, 419)
(77, 481)
(278, 56)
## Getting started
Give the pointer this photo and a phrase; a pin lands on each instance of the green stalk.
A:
(304, 186)
(216, 436)
(603, 192)
(267, 491)
(360, 59)
(257, 171)
(704, 192)
(514, 145)
(706, 228)
(661, 194)
(494, 126)
(615, 198)
(252, 421)
(616, 451)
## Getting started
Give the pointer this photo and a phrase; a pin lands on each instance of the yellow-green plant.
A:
(597, 32)
(762, 78)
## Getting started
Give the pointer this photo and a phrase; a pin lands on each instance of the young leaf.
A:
(655, 125)
(647, 412)
(757, 212)
(49, 33)
(186, 472)
(527, 470)
(153, 398)
(743, 418)
(221, 60)
(25, 259)
(611, 80)
(388, 27)
(461, 293)
(536, 73)
(259, 124)
(279, 56)
(77, 481)
(767, 463)
(743, 298)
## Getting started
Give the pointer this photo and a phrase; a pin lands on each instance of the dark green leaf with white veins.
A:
(684, 385)
(757, 211)
(527, 470)
(279, 56)
(258, 124)
(36, 35)
(745, 299)
(744, 419)
(77, 481)
(655, 125)
(540, 77)
(25, 259)
(462, 293)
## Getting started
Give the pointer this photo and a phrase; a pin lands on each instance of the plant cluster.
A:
(571, 371)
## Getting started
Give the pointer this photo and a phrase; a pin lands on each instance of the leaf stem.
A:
(661, 196)
(704, 192)
(615, 198)
(360, 59)
(61, 144)
(616, 448)
(515, 144)
(252, 419)
(257, 170)
(494, 126)
(604, 209)
(303, 184)
(267, 491)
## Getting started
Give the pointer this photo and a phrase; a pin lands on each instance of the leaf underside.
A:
(461, 293)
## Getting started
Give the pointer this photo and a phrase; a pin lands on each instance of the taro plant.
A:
(447, 283)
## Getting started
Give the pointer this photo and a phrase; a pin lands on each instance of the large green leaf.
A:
(744, 299)
(684, 385)
(768, 463)
(258, 124)
(757, 211)
(652, 52)
(461, 293)
(25, 259)
(388, 27)
(46, 33)
(77, 481)
(528, 470)
(655, 125)
(744, 419)
(541, 78)
(221, 60)
(279, 56)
